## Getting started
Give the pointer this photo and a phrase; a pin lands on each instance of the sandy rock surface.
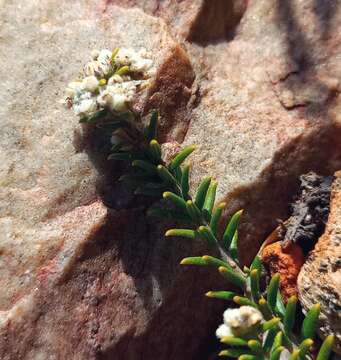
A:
(256, 89)
(320, 278)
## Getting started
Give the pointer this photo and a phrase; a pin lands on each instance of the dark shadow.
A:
(216, 21)
(324, 11)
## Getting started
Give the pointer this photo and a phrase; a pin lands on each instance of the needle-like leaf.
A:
(224, 295)
(181, 156)
(310, 322)
(326, 348)
(272, 291)
(201, 192)
(231, 229)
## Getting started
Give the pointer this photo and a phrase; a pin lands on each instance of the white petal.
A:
(90, 83)
(223, 331)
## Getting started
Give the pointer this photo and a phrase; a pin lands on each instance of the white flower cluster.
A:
(110, 81)
(239, 322)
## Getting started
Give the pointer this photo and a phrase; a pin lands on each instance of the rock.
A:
(320, 278)
(287, 263)
(198, 21)
(263, 109)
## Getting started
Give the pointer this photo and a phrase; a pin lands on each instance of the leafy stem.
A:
(149, 175)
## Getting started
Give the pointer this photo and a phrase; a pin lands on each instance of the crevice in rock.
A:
(216, 20)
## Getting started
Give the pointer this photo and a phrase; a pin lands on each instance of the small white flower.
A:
(115, 79)
(120, 103)
(85, 107)
(223, 331)
(94, 54)
(90, 83)
(73, 88)
(96, 68)
(239, 322)
(104, 56)
(242, 320)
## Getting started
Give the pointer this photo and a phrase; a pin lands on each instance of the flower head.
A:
(110, 81)
(239, 322)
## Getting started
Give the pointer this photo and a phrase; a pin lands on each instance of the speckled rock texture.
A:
(255, 84)
(320, 277)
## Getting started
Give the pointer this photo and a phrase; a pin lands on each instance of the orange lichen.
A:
(287, 262)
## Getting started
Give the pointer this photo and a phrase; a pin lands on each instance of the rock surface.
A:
(80, 282)
(320, 277)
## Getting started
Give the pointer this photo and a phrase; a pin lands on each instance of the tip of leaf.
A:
(222, 269)
(189, 202)
(205, 257)
(317, 306)
(223, 353)
(201, 228)
(209, 294)
(184, 261)
(168, 233)
(159, 167)
(261, 301)
(166, 194)
(222, 205)
(254, 272)
(153, 142)
(236, 299)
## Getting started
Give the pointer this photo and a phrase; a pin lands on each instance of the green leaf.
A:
(255, 346)
(272, 291)
(166, 176)
(151, 129)
(279, 308)
(310, 322)
(187, 233)
(276, 354)
(232, 277)
(264, 308)
(233, 341)
(269, 339)
(146, 166)
(326, 348)
(234, 247)
(235, 353)
(305, 346)
(294, 355)
(193, 211)
(216, 217)
(231, 229)
(290, 314)
(185, 181)
(223, 295)
(94, 117)
(181, 157)
(254, 282)
(194, 260)
(256, 264)
(148, 191)
(120, 156)
(210, 260)
(201, 192)
(209, 200)
(155, 150)
(278, 341)
(170, 214)
(267, 325)
(176, 200)
(250, 357)
(244, 301)
(122, 70)
(206, 234)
